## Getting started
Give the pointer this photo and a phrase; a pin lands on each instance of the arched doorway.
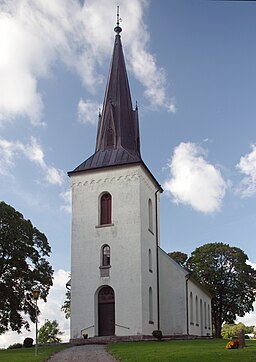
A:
(106, 311)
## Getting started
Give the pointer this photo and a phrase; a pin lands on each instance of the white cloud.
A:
(247, 166)
(88, 111)
(18, 93)
(6, 156)
(171, 107)
(249, 319)
(67, 197)
(35, 35)
(49, 310)
(194, 181)
(34, 152)
(54, 176)
(9, 151)
(253, 265)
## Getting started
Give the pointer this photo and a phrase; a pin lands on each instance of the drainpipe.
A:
(157, 262)
(187, 279)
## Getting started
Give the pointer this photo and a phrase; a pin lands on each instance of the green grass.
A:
(28, 354)
(182, 351)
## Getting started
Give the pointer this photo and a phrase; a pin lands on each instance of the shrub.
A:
(246, 336)
(28, 342)
(15, 345)
(157, 334)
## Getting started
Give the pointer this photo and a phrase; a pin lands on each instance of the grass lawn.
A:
(182, 351)
(28, 354)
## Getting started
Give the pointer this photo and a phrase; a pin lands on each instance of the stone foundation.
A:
(137, 338)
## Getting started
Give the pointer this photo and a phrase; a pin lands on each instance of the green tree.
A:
(179, 257)
(66, 307)
(227, 330)
(49, 332)
(223, 271)
(249, 329)
(231, 330)
(23, 265)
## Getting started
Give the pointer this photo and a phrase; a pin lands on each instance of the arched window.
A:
(197, 312)
(105, 209)
(150, 261)
(150, 302)
(105, 255)
(150, 215)
(191, 309)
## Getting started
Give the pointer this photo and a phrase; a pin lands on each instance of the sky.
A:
(191, 68)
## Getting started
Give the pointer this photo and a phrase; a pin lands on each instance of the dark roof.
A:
(118, 138)
(108, 157)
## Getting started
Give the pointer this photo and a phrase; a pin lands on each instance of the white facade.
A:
(129, 239)
(199, 310)
(184, 307)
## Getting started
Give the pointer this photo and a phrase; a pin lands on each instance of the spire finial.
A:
(117, 29)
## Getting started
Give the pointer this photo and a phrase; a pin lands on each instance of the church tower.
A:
(114, 271)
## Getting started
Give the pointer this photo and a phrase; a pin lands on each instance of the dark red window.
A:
(105, 209)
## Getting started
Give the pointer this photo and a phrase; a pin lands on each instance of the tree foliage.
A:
(223, 271)
(231, 330)
(179, 257)
(23, 265)
(49, 332)
(66, 307)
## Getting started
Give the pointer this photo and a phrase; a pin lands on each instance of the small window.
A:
(201, 314)
(105, 256)
(197, 312)
(209, 317)
(150, 261)
(191, 309)
(150, 302)
(150, 215)
(105, 209)
(205, 320)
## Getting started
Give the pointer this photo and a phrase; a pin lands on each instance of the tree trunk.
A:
(218, 330)
(217, 324)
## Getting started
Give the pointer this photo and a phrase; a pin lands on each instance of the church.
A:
(122, 282)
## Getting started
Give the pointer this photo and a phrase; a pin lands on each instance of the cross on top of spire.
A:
(117, 29)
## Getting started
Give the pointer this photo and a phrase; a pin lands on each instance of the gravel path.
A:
(85, 353)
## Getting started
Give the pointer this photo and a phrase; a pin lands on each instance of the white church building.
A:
(122, 282)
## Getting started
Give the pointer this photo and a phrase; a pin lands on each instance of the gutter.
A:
(157, 260)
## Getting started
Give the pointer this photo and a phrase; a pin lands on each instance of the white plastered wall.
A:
(180, 314)
(173, 308)
(200, 318)
(148, 190)
(129, 240)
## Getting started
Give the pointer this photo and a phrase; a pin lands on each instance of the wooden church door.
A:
(106, 311)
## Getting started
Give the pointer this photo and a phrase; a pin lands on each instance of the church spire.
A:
(118, 140)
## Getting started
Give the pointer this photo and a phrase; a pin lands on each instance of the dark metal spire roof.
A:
(118, 140)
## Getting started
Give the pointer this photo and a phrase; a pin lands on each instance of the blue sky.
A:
(191, 68)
